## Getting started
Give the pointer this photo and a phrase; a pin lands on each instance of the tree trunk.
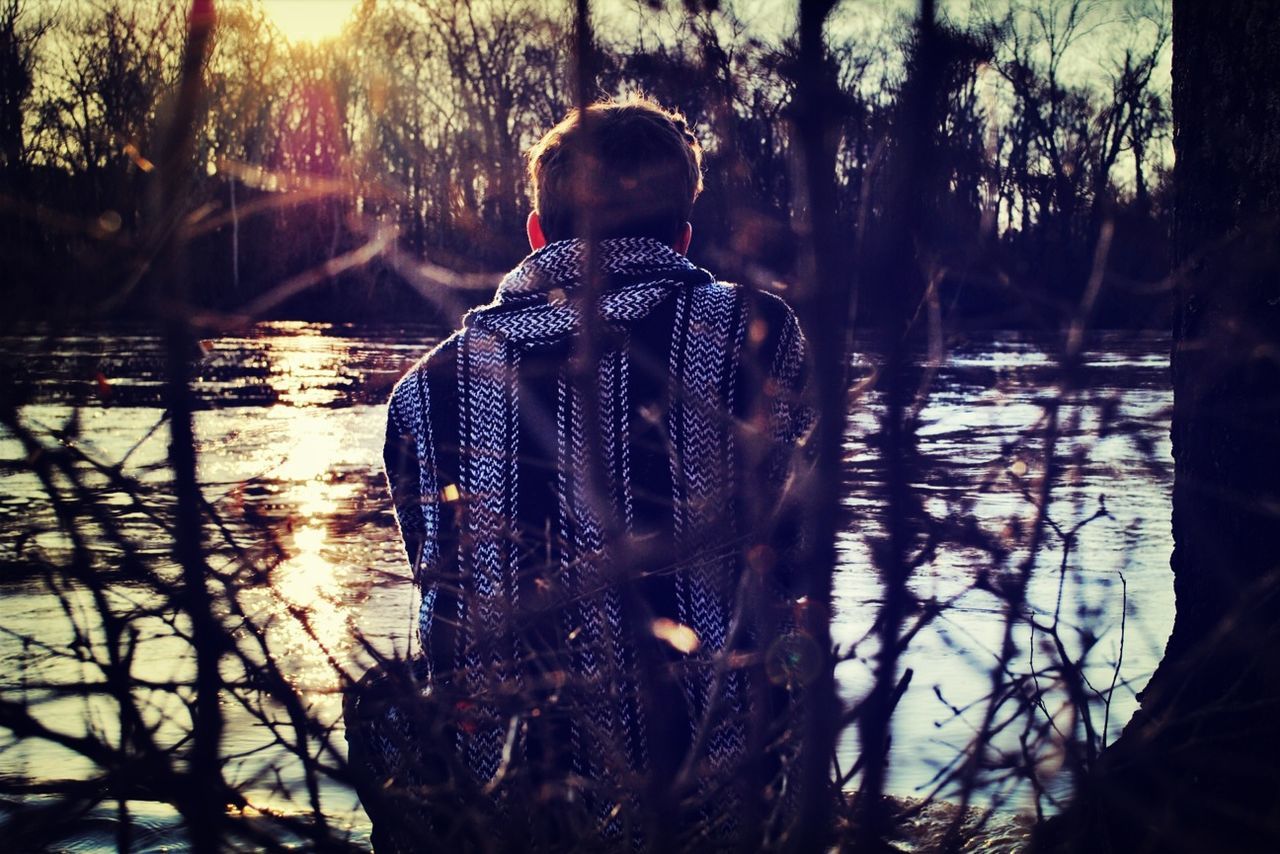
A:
(1198, 769)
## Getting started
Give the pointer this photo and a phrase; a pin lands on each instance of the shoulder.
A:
(431, 373)
(773, 310)
(771, 324)
(765, 305)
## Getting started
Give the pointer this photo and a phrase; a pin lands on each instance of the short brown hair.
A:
(648, 172)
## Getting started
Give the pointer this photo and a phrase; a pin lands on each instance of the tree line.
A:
(1051, 131)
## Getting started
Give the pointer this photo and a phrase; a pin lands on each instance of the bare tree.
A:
(1198, 766)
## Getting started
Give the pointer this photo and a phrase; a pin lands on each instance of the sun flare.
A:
(309, 20)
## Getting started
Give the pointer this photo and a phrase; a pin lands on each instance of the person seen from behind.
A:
(592, 478)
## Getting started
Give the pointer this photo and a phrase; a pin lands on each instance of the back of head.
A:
(633, 167)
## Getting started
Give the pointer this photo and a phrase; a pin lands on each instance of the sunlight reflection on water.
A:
(291, 434)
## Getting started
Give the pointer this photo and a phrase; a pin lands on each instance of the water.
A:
(290, 424)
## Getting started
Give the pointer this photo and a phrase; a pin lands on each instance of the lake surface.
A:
(290, 427)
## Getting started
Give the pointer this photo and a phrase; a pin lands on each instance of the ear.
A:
(684, 239)
(533, 228)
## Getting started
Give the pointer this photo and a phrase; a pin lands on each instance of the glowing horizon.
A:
(309, 20)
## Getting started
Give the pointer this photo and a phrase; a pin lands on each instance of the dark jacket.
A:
(599, 613)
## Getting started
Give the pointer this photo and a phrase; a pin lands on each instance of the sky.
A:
(869, 22)
(309, 20)
(863, 20)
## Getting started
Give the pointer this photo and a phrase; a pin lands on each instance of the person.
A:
(597, 521)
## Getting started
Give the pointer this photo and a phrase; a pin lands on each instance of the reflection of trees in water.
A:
(297, 364)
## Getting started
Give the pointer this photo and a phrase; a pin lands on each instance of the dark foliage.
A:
(412, 128)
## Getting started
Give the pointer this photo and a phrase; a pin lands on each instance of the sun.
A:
(309, 20)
